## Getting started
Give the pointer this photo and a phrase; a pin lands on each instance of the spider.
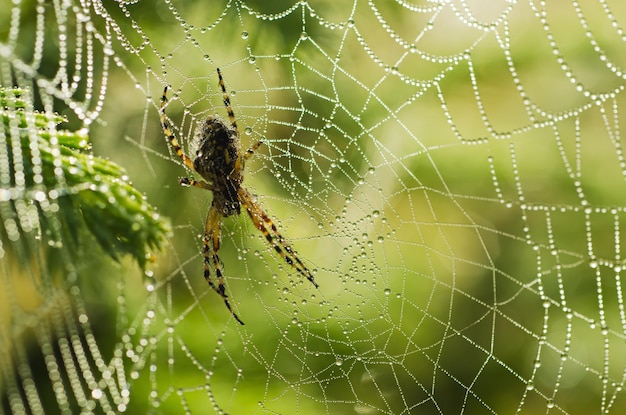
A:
(220, 163)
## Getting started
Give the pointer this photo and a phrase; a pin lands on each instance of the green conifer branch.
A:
(51, 185)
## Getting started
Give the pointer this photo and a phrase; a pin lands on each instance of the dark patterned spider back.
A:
(218, 161)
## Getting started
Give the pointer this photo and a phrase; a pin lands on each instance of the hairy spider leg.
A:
(229, 109)
(250, 151)
(170, 134)
(231, 115)
(262, 222)
(211, 242)
(187, 182)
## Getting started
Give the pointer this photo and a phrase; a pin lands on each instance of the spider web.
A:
(452, 171)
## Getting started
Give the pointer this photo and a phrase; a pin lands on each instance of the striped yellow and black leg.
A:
(231, 115)
(212, 239)
(263, 223)
(229, 109)
(191, 182)
(250, 151)
(170, 134)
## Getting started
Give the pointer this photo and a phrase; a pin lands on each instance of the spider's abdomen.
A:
(218, 160)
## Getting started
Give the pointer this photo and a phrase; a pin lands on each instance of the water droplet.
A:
(244, 35)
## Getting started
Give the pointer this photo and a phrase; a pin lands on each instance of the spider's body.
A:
(220, 162)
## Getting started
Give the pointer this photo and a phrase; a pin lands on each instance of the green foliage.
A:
(52, 186)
